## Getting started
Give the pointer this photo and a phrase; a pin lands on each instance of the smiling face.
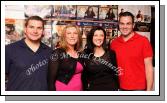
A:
(126, 25)
(98, 38)
(34, 30)
(71, 36)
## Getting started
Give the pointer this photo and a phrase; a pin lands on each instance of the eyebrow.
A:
(126, 23)
(34, 26)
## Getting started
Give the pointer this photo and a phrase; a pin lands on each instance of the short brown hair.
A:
(63, 43)
(127, 14)
(35, 18)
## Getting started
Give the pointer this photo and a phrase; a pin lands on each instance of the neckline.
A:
(99, 56)
(26, 45)
(130, 39)
(71, 56)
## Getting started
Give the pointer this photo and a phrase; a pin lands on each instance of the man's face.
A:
(34, 30)
(126, 25)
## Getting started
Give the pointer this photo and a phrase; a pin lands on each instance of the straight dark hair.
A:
(89, 45)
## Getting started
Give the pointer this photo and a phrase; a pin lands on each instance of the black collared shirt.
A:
(27, 70)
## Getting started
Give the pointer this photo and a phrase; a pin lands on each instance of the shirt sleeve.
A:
(53, 66)
(147, 49)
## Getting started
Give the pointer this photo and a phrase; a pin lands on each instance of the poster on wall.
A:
(13, 30)
(142, 27)
(108, 13)
(14, 23)
(47, 35)
(56, 34)
(142, 13)
(85, 31)
(64, 12)
(44, 11)
(87, 12)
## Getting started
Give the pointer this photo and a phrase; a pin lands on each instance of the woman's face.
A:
(90, 9)
(98, 38)
(71, 36)
(110, 10)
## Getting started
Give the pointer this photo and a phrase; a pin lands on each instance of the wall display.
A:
(87, 12)
(44, 11)
(108, 13)
(56, 34)
(13, 30)
(47, 38)
(142, 13)
(111, 33)
(142, 27)
(85, 16)
(64, 11)
(112, 25)
(85, 31)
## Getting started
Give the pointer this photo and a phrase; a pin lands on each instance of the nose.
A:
(99, 37)
(35, 30)
(123, 25)
(72, 35)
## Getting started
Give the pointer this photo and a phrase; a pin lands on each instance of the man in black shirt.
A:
(26, 61)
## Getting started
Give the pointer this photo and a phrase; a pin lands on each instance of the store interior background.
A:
(57, 16)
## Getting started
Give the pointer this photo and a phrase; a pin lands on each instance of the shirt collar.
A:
(135, 36)
(24, 45)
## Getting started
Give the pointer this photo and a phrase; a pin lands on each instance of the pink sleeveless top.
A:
(75, 84)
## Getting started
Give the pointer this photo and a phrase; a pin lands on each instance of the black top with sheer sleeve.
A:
(61, 67)
(101, 73)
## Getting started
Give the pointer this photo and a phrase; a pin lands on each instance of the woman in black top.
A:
(89, 13)
(100, 71)
(110, 14)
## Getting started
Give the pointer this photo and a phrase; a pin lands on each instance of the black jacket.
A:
(61, 67)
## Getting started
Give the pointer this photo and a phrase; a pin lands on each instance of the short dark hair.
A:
(127, 14)
(89, 45)
(35, 18)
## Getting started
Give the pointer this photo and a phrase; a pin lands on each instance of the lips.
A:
(34, 34)
(125, 30)
(72, 39)
(98, 41)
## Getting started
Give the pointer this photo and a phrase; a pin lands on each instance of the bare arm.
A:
(149, 73)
